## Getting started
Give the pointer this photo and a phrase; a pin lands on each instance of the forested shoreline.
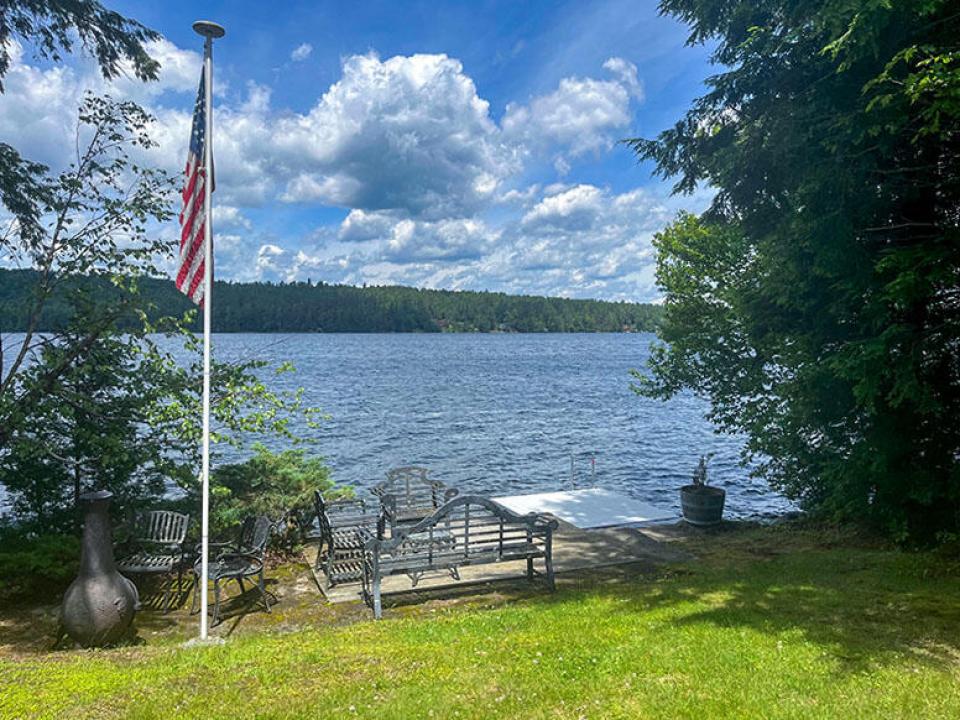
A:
(320, 307)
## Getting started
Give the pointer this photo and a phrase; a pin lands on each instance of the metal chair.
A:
(408, 495)
(236, 561)
(340, 550)
(157, 548)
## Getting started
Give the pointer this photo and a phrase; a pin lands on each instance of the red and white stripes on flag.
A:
(193, 215)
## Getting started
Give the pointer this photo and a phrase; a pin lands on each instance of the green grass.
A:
(769, 624)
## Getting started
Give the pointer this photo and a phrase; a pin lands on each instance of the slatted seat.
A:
(413, 495)
(143, 563)
(157, 548)
(467, 530)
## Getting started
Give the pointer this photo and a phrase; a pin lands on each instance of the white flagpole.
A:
(210, 31)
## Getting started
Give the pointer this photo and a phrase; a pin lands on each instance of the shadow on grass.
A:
(862, 604)
(863, 607)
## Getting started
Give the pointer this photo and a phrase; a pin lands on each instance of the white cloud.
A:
(271, 262)
(447, 240)
(301, 52)
(584, 241)
(228, 217)
(408, 134)
(575, 208)
(435, 191)
(406, 240)
(360, 226)
(579, 115)
(626, 71)
(580, 240)
(523, 197)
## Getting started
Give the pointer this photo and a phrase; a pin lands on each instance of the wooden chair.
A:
(157, 548)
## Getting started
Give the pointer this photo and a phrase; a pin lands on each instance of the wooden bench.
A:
(413, 495)
(467, 530)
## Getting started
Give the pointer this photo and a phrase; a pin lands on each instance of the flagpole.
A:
(209, 31)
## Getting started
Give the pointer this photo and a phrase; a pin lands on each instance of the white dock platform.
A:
(589, 508)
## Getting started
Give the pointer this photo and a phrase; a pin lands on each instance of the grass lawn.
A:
(782, 622)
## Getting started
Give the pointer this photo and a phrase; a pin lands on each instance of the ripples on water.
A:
(503, 413)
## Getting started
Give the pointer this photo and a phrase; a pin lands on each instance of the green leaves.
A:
(815, 303)
(52, 27)
(268, 483)
(97, 403)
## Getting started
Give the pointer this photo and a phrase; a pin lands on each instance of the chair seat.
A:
(413, 513)
(351, 519)
(144, 563)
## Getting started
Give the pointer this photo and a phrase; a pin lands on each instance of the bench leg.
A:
(329, 566)
(529, 568)
(194, 603)
(377, 607)
(548, 561)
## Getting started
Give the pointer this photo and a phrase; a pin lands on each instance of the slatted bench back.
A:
(471, 529)
(161, 527)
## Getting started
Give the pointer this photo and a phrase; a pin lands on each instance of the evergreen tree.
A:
(817, 302)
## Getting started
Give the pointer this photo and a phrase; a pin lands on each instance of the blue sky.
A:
(455, 145)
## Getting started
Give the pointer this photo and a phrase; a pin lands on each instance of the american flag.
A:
(193, 214)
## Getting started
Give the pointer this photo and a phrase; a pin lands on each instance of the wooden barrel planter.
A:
(702, 504)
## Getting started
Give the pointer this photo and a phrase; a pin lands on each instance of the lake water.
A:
(502, 414)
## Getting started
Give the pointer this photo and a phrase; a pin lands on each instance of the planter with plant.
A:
(702, 504)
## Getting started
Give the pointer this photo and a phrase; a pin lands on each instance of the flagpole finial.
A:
(208, 29)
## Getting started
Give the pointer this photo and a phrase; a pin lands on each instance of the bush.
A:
(37, 566)
(271, 484)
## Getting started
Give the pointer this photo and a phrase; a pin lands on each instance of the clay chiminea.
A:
(99, 605)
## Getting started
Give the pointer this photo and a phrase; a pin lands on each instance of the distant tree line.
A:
(320, 307)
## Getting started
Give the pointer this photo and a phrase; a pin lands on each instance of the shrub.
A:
(36, 566)
(278, 485)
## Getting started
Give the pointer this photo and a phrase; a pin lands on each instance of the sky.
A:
(457, 145)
